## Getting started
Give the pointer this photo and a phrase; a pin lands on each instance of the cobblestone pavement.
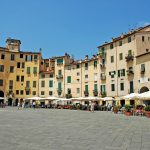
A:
(46, 129)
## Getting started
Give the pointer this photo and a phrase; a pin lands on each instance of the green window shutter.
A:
(51, 83)
(69, 79)
(60, 61)
(95, 63)
(86, 88)
(123, 72)
(59, 85)
(118, 73)
(129, 52)
(35, 70)
(95, 87)
(28, 70)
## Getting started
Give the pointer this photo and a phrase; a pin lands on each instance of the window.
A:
(129, 39)
(95, 64)
(21, 92)
(1, 82)
(78, 80)
(28, 70)
(23, 65)
(120, 56)
(86, 88)
(28, 57)
(34, 70)
(1, 68)
(143, 38)
(86, 66)
(11, 69)
(78, 66)
(59, 86)
(42, 83)
(27, 92)
(18, 64)
(51, 75)
(78, 73)
(95, 87)
(17, 78)
(69, 79)
(50, 93)
(21, 55)
(35, 57)
(51, 83)
(111, 46)
(42, 75)
(86, 76)
(131, 87)
(129, 52)
(122, 86)
(142, 67)
(59, 72)
(78, 90)
(28, 84)
(112, 59)
(112, 87)
(33, 92)
(120, 43)
(59, 61)
(34, 84)
(148, 38)
(17, 92)
(10, 84)
(2, 56)
(22, 78)
(103, 89)
(12, 57)
(121, 72)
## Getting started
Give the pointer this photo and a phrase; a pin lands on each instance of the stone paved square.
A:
(53, 129)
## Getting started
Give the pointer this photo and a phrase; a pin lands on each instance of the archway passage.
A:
(144, 89)
(10, 101)
(1, 97)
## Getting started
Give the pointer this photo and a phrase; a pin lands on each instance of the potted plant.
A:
(147, 111)
(128, 111)
(115, 109)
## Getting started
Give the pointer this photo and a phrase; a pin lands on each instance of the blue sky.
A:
(73, 26)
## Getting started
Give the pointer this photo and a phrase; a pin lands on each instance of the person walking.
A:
(34, 104)
(92, 107)
(18, 105)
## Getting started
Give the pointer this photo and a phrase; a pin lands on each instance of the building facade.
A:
(120, 67)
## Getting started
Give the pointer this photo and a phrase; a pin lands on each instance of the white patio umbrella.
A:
(131, 96)
(34, 98)
(144, 96)
(51, 98)
(107, 99)
(1, 98)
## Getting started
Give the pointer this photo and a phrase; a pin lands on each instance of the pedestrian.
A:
(23, 105)
(18, 105)
(92, 107)
(34, 104)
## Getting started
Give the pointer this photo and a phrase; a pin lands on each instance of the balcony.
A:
(130, 71)
(68, 95)
(95, 92)
(142, 70)
(103, 94)
(103, 76)
(86, 93)
(102, 65)
(59, 76)
(129, 57)
(27, 88)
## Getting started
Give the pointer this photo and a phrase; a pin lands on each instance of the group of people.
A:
(23, 105)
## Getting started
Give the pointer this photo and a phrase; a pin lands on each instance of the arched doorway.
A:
(10, 101)
(1, 95)
(144, 89)
(16, 102)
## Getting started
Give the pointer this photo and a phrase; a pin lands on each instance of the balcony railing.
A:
(59, 76)
(103, 77)
(129, 57)
(95, 92)
(27, 88)
(103, 94)
(86, 93)
(130, 71)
